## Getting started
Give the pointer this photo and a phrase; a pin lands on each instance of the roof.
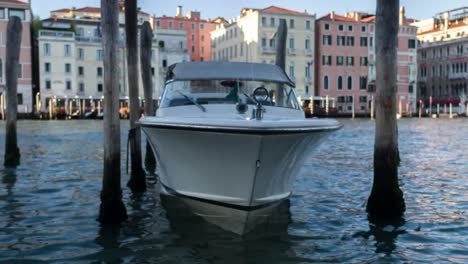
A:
(89, 9)
(228, 71)
(280, 10)
(17, 2)
(61, 10)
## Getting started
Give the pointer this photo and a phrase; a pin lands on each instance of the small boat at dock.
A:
(230, 138)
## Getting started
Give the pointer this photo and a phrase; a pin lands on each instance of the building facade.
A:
(197, 29)
(20, 9)
(251, 37)
(346, 72)
(71, 61)
(443, 58)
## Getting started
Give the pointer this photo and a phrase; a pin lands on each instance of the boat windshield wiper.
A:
(193, 101)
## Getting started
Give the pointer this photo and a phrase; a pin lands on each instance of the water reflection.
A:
(385, 234)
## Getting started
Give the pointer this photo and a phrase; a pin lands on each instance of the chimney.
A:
(357, 16)
(179, 11)
(332, 15)
(402, 15)
(446, 20)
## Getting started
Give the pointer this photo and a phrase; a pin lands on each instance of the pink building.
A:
(346, 63)
(20, 9)
(198, 32)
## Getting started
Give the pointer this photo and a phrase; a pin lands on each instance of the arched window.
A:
(325, 82)
(340, 82)
(350, 83)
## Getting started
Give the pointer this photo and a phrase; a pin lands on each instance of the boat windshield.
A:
(202, 92)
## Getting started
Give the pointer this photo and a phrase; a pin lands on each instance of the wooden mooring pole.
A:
(386, 199)
(280, 59)
(137, 182)
(146, 40)
(13, 45)
(112, 209)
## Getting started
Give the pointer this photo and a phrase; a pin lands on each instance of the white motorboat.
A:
(230, 138)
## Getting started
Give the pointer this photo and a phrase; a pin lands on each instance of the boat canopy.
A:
(228, 71)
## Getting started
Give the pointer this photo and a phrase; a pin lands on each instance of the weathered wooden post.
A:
(13, 45)
(354, 112)
(372, 108)
(137, 182)
(386, 199)
(146, 40)
(450, 111)
(420, 108)
(2, 105)
(280, 59)
(438, 109)
(112, 209)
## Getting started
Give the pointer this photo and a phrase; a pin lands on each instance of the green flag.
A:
(233, 95)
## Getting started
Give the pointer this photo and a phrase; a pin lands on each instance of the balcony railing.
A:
(291, 51)
(268, 50)
(308, 52)
(56, 34)
(308, 79)
(88, 39)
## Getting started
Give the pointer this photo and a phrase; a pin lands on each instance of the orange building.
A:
(198, 32)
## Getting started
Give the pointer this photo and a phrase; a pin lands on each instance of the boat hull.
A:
(237, 170)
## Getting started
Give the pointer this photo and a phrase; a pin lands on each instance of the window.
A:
(363, 28)
(291, 71)
(202, 26)
(350, 28)
(158, 23)
(272, 43)
(308, 24)
(264, 43)
(67, 50)
(411, 43)
(340, 82)
(363, 83)
(99, 54)
(202, 38)
(350, 61)
(80, 53)
(350, 83)
(81, 87)
(170, 24)
(47, 67)
(307, 44)
(363, 41)
(20, 71)
(291, 43)
(48, 84)
(264, 21)
(80, 32)
(202, 50)
(67, 68)
(46, 49)
(272, 22)
(2, 13)
(17, 12)
(68, 84)
(326, 26)
(80, 70)
(340, 27)
(327, 40)
(307, 71)
(326, 60)
(341, 99)
(340, 40)
(241, 49)
(325, 82)
(371, 41)
(181, 25)
(339, 60)
(363, 61)
(350, 41)
(291, 23)
(193, 25)
(193, 37)
(193, 49)
(363, 99)
(97, 32)
(99, 71)
(19, 97)
(99, 87)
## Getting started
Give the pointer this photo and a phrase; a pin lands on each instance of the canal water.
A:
(49, 204)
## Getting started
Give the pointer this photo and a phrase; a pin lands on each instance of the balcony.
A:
(308, 79)
(269, 50)
(56, 34)
(88, 39)
(308, 52)
(458, 76)
(291, 51)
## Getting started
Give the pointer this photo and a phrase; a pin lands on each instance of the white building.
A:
(70, 60)
(251, 37)
(172, 48)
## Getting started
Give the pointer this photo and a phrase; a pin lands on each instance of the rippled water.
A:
(49, 204)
